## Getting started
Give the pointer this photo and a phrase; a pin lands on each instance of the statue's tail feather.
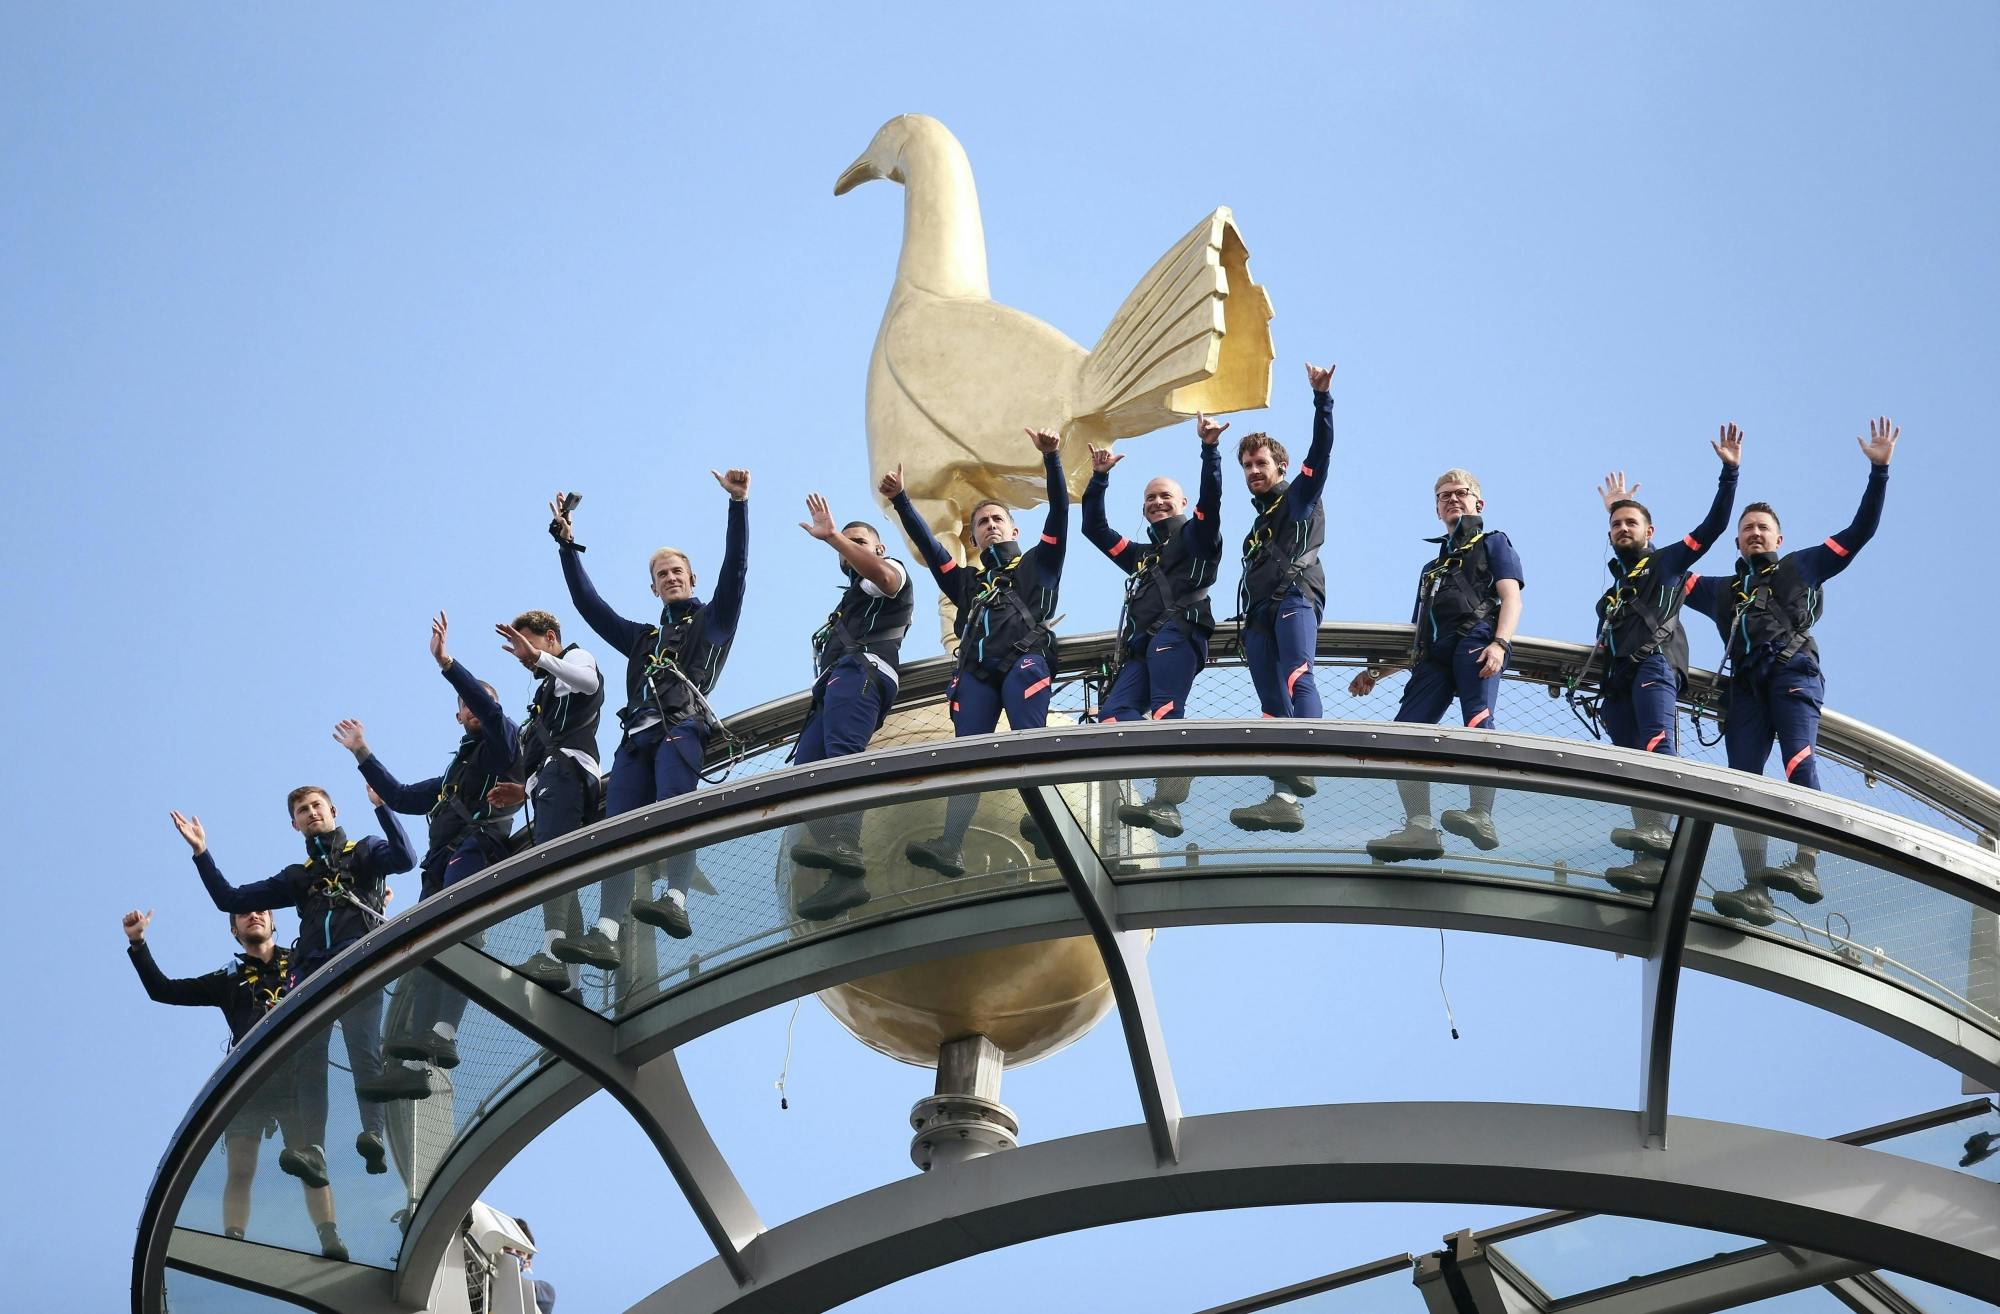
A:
(1194, 335)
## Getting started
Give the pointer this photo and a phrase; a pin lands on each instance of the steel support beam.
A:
(1673, 904)
(1718, 1284)
(325, 1285)
(1867, 1293)
(1124, 953)
(1867, 1206)
(654, 1094)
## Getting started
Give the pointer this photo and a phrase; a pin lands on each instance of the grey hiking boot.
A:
(593, 947)
(1273, 813)
(1162, 817)
(1296, 786)
(330, 1244)
(395, 1082)
(936, 855)
(429, 1047)
(307, 1163)
(1637, 876)
(1796, 878)
(840, 855)
(836, 896)
(1750, 904)
(545, 971)
(1414, 841)
(373, 1153)
(669, 916)
(1473, 824)
(1643, 839)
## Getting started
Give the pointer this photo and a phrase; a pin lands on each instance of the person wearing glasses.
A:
(1467, 610)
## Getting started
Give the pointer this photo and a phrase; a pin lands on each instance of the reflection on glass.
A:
(188, 1294)
(1601, 1250)
(1970, 1144)
(1877, 921)
(335, 1145)
(1147, 827)
(764, 890)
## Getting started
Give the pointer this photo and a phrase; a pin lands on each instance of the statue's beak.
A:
(861, 171)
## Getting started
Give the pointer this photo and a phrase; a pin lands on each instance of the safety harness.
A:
(1455, 590)
(1775, 611)
(1167, 584)
(1279, 554)
(998, 623)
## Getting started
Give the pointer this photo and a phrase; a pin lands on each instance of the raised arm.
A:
(1055, 526)
(390, 855)
(1310, 481)
(258, 896)
(872, 566)
(725, 604)
(942, 567)
(186, 991)
(610, 626)
(496, 729)
(1206, 528)
(1677, 557)
(414, 799)
(1096, 525)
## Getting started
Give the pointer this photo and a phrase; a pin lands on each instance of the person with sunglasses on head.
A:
(670, 669)
(1164, 628)
(1641, 653)
(1467, 611)
(1283, 589)
(1005, 603)
(556, 773)
(244, 991)
(1765, 613)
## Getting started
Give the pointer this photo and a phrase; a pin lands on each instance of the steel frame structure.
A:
(1526, 1155)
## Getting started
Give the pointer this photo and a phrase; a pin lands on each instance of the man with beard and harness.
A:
(1641, 652)
(1283, 590)
(855, 659)
(1164, 629)
(1468, 607)
(670, 667)
(245, 990)
(1766, 612)
(556, 771)
(339, 892)
(1005, 607)
(467, 834)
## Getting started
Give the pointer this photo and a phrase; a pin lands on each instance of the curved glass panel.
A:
(1232, 823)
(310, 1115)
(1878, 922)
(1970, 1144)
(750, 895)
(1593, 1251)
(188, 1294)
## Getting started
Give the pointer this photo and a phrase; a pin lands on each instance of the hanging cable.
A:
(1450, 1021)
(783, 1072)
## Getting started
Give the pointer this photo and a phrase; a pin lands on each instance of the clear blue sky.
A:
(303, 314)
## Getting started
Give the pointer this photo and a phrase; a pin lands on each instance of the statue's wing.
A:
(980, 372)
(1194, 335)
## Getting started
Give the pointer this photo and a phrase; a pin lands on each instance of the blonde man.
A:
(1468, 608)
(670, 667)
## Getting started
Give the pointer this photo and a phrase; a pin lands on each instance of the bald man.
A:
(1163, 633)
